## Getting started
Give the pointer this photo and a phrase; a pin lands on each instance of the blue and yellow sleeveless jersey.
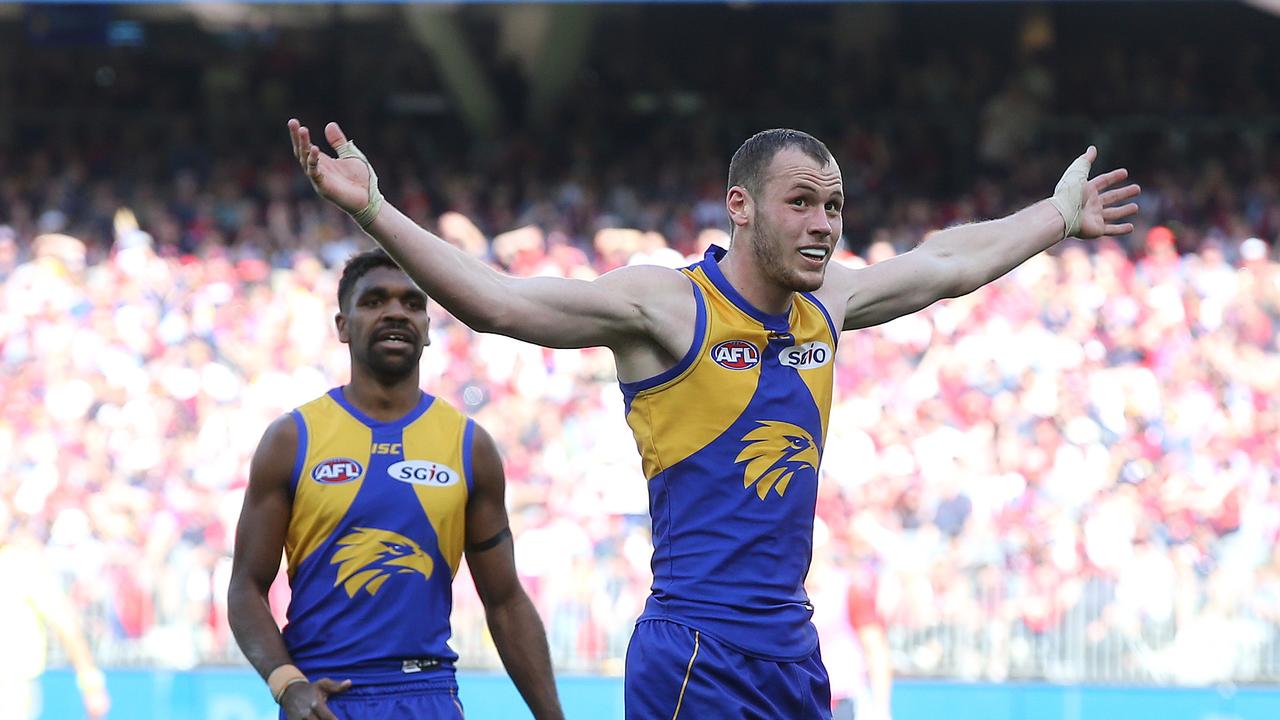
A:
(730, 440)
(375, 537)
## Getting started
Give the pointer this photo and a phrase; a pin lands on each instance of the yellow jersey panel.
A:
(335, 451)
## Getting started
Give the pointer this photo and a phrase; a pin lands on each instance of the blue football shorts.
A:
(677, 673)
(431, 700)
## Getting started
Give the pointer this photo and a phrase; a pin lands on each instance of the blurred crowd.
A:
(1086, 449)
(1071, 473)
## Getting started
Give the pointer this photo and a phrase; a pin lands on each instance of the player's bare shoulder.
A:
(839, 284)
(664, 298)
(273, 460)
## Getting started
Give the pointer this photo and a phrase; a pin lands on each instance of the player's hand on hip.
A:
(1094, 208)
(307, 701)
(342, 181)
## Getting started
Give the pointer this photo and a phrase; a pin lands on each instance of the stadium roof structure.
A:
(551, 40)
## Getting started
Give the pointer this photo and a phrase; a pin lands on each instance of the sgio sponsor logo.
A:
(736, 355)
(336, 471)
(807, 356)
(424, 472)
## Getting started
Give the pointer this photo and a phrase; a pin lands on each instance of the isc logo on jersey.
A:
(424, 472)
(336, 471)
(736, 355)
(807, 356)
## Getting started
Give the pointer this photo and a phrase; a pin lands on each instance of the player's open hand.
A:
(342, 181)
(1106, 204)
(307, 701)
(1097, 207)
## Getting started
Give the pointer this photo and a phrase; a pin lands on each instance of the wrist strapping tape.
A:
(1068, 196)
(364, 217)
(281, 678)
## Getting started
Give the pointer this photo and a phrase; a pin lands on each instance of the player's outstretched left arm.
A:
(957, 261)
(517, 630)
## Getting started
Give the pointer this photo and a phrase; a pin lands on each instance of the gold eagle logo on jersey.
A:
(775, 452)
(368, 556)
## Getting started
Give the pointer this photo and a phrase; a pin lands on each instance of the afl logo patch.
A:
(736, 355)
(424, 472)
(336, 471)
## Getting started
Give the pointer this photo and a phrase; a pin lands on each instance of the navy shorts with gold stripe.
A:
(675, 672)
(431, 699)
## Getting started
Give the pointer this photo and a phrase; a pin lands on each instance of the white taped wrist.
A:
(365, 216)
(1068, 196)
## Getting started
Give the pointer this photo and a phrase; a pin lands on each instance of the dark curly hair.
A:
(358, 266)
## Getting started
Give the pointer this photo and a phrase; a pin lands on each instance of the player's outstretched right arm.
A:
(614, 310)
(260, 535)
